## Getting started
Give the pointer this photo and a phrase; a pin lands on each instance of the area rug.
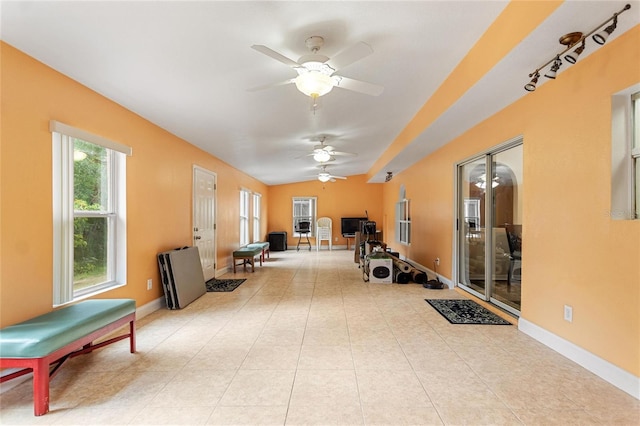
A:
(224, 285)
(463, 311)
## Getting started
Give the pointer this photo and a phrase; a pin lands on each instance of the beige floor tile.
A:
(259, 387)
(325, 388)
(171, 415)
(249, 416)
(314, 357)
(478, 416)
(384, 416)
(385, 356)
(324, 415)
(267, 357)
(392, 389)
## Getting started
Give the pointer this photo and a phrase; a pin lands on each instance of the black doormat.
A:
(224, 285)
(463, 311)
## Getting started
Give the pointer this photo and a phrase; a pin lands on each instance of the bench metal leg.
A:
(41, 387)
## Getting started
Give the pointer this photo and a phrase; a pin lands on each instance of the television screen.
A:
(350, 225)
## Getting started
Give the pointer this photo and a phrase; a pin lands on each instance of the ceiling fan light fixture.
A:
(314, 83)
(324, 177)
(321, 156)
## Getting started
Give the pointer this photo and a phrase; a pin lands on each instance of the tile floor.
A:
(305, 341)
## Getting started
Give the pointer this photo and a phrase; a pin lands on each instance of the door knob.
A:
(197, 237)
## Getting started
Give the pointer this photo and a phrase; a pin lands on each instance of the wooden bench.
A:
(52, 338)
(264, 246)
(247, 255)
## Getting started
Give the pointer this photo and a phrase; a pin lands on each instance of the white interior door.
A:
(204, 219)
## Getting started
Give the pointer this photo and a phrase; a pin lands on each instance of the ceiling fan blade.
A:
(275, 55)
(343, 153)
(360, 86)
(350, 55)
(337, 177)
(268, 86)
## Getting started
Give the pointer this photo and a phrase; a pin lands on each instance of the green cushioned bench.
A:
(247, 255)
(52, 338)
(264, 246)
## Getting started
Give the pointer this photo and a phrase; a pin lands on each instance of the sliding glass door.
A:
(489, 226)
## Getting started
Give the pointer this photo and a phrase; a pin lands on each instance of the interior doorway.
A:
(204, 219)
(489, 226)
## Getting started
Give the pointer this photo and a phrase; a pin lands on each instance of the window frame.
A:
(64, 214)
(625, 155)
(256, 208)
(244, 217)
(313, 206)
(635, 154)
(403, 222)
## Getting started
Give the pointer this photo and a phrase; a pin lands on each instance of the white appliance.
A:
(380, 270)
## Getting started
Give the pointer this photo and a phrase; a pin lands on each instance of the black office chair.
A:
(303, 228)
(514, 239)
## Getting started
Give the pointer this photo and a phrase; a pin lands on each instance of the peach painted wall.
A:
(574, 253)
(159, 186)
(343, 198)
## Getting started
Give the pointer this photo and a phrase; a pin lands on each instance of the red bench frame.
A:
(42, 373)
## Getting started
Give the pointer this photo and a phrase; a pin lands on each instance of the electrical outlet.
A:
(438, 261)
(336, 239)
(149, 284)
(568, 313)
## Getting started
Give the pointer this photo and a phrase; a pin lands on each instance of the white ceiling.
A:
(187, 66)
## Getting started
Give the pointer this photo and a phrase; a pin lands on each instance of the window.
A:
(635, 154)
(257, 198)
(403, 222)
(89, 213)
(304, 210)
(244, 217)
(625, 154)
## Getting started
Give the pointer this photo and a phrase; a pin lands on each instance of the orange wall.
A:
(159, 180)
(343, 198)
(573, 252)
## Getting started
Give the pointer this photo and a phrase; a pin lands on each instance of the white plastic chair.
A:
(323, 231)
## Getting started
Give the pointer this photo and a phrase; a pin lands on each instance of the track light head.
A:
(554, 68)
(602, 36)
(531, 86)
(572, 57)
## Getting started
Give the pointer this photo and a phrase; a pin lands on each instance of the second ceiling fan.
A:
(316, 73)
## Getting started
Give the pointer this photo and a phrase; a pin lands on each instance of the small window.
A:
(635, 154)
(244, 217)
(625, 154)
(257, 198)
(304, 210)
(403, 222)
(89, 213)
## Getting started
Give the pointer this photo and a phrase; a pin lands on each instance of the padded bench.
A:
(50, 339)
(247, 255)
(264, 246)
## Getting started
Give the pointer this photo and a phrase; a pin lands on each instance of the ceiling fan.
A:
(316, 73)
(324, 153)
(325, 176)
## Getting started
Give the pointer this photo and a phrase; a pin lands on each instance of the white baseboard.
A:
(611, 373)
(150, 307)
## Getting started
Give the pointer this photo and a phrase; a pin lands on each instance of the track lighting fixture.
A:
(388, 177)
(571, 40)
